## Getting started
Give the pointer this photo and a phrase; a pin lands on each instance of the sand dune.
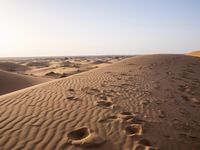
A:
(60, 67)
(38, 64)
(194, 53)
(140, 103)
(10, 82)
(10, 66)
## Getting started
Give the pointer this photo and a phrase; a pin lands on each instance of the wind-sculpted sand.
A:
(10, 82)
(19, 73)
(140, 103)
(194, 53)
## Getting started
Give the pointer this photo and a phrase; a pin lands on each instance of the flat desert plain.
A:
(147, 102)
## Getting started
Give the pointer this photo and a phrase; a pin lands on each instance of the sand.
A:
(140, 103)
(10, 82)
(55, 67)
(194, 53)
(60, 68)
(19, 73)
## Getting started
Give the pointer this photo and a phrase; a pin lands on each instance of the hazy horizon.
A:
(103, 27)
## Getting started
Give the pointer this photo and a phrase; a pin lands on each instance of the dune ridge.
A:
(12, 81)
(143, 102)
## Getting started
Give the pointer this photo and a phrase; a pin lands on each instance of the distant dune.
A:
(194, 53)
(10, 82)
(140, 103)
(38, 64)
(12, 67)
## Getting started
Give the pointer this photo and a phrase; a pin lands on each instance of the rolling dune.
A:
(140, 103)
(12, 67)
(10, 82)
(194, 53)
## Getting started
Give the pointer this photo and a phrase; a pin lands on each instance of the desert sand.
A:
(55, 67)
(10, 82)
(139, 103)
(194, 53)
(19, 73)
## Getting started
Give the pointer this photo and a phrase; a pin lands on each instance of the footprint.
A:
(119, 78)
(169, 73)
(126, 116)
(103, 97)
(85, 138)
(71, 90)
(131, 118)
(195, 100)
(144, 144)
(134, 129)
(104, 104)
(161, 114)
(126, 113)
(79, 134)
(142, 147)
(72, 98)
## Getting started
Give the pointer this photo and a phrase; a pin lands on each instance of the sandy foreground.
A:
(140, 103)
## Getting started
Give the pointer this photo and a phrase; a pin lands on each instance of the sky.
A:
(98, 27)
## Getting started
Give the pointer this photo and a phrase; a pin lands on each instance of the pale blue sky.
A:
(98, 27)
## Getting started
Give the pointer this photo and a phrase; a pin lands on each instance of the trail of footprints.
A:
(133, 128)
(85, 137)
(188, 90)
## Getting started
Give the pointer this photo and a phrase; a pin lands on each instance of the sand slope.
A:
(194, 53)
(144, 102)
(13, 67)
(10, 82)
